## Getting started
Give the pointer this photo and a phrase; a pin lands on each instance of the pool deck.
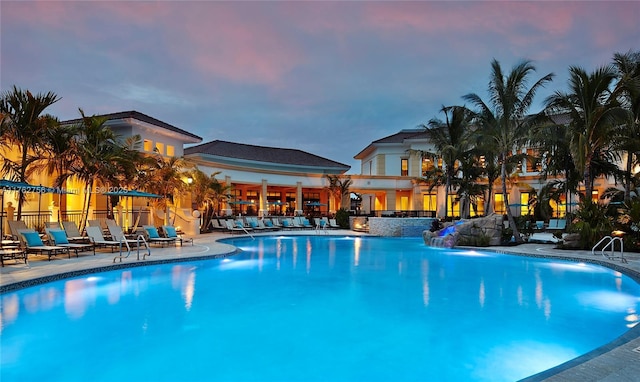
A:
(617, 361)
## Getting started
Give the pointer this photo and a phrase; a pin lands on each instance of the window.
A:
(253, 196)
(171, 151)
(498, 204)
(454, 205)
(160, 148)
(594, 196)
(404, 167)
(429, 202)
(147, 145)
(311, 196)
(524, 204)
(427, 165)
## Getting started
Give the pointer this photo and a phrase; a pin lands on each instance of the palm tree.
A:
(164, 177)
(627, 66)
(339, 188)
(207, 192)
(505, 117)
(24, 127)
(99, 157)
(451, 139)
(594, 112)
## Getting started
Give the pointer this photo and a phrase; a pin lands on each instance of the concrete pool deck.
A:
(617, 361)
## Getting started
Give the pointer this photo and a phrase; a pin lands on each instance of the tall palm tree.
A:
(451, 140)
(99, 158)
(594, 112)
(24, 127)
(505, 116)
(627, 66)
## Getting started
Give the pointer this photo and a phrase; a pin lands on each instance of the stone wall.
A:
(410, 227)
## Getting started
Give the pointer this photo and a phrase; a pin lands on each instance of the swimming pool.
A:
(317, 308)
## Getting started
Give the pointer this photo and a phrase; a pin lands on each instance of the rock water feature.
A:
(480, 232)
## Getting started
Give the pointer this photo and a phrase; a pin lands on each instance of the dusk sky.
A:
(324, 77)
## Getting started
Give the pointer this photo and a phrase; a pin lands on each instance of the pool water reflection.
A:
(317, 308)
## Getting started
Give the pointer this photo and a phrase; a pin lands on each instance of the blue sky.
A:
(323, 77)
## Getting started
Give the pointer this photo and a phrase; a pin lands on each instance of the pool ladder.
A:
(610, 242)
(139, 240)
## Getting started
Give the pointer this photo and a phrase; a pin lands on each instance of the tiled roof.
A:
(398, 137)
(144, 118)
(263, 154)
(402, 136)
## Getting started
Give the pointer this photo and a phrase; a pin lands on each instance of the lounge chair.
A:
(73, 233)
(12, 254)
(118, 235)
(60, 239)
(171, 232)
(557, 225)
(288, 224)
(32, 242)
(296, 223)
(333, 224)
(139, 241)
(214, 223)
(15, 226)
(306, 223)
(152, 236)
(276, 223)
(232, 227)
(268, 225)
(255, 224)
(95, 236)
(52, 225)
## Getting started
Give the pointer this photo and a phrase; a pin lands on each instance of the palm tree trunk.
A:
(87, 200)
(627, 177)
(23, 171)
(512, 222)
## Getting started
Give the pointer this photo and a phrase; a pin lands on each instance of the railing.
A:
(610, 242)
(403, 214)
(139, 240)
(34, 219)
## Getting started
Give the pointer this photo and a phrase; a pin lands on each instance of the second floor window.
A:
(404, 167)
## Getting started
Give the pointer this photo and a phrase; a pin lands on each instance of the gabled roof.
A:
(275, 155)
(144, 118)
(398, 137)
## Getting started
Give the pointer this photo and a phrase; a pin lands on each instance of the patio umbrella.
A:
(10, 185)
(315, 204)
(132, 194)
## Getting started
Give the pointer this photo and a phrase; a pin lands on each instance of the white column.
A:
(299, 210)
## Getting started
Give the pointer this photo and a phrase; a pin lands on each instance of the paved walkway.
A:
(618, 361)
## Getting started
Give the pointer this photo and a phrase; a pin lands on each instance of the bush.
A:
(342, 218)
(591, 223)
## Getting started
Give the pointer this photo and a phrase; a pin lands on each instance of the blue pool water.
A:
(317, 309)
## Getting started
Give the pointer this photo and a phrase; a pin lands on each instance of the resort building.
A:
(286, 181)
(268, 180)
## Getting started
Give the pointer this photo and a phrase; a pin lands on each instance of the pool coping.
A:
(609, 364)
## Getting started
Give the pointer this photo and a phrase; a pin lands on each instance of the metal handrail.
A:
(139, 239)
(611, 242)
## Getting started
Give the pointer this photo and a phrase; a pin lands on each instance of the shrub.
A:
(342, 218)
